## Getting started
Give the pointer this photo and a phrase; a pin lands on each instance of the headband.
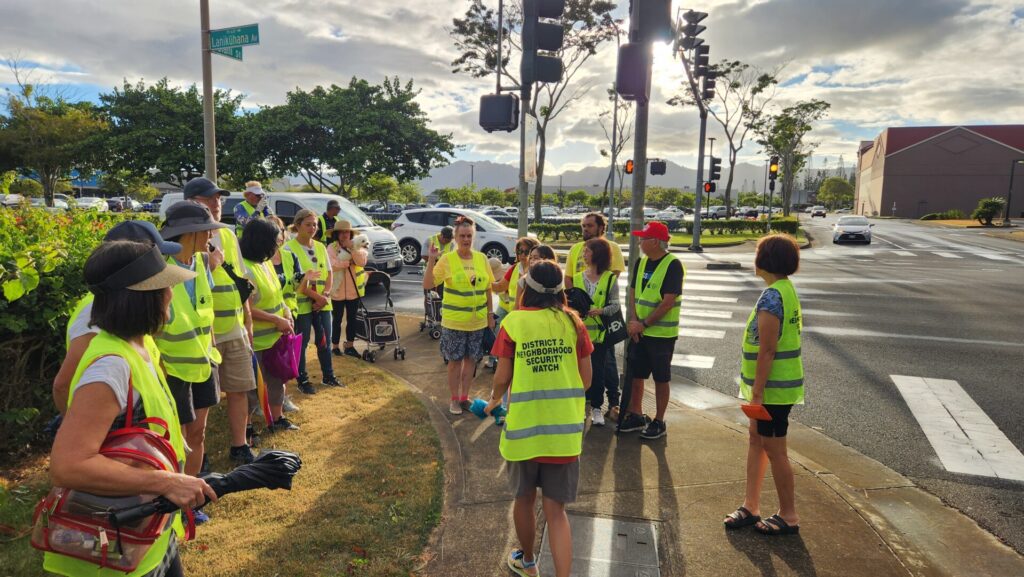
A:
(541, 288)
(148, 265)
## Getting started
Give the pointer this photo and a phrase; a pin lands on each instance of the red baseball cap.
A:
(656, 230)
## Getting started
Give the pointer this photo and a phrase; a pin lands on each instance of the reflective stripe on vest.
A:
(157, 402)
(271, 301)
(513, 289)
(649, 298)
(463, 301)
(546, 401)
(785, 385)
(185, 343)
(595, 326)
(227, 303)
(306, 263)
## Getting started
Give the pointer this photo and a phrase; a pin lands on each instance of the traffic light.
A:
(630, 75)
(499, 112)
(715, 170)
(709, 187)
(658, 167)
(700, 60)
(654, 21)
(545, 36)
(708, 87)
(773, 168)
(629, 166)
(692, 29)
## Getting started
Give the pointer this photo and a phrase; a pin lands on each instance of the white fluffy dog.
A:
(358, 241)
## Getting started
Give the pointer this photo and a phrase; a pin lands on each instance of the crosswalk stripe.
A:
(903, 253)
(994, 256)
(716, 287)
(963, 436)
(946, 254)
(708, 299)
(703, 313)
(692, 361)
(691, 333)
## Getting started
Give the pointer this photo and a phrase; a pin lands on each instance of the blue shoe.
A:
(520, 566)
(199, 516)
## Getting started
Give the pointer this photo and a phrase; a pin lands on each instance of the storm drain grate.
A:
(604, 547)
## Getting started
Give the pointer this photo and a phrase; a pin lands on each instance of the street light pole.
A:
(209, 129)
(1009, 192)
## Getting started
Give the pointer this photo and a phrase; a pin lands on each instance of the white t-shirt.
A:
(115, 373)
(80, 326)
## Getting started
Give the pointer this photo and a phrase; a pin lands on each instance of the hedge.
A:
(953, 214)
(41, 260)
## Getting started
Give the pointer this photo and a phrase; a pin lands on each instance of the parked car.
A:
(843, 211)
(818, 211)
(548, 212)
(670, 213)
(852, 228)
(93, 203)
(715, 212)
(511, 210)
(414, 227)
(384, 255)
(58, 205)
(497, 212)
(13, 200)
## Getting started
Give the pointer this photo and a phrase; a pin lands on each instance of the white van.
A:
(384, 255)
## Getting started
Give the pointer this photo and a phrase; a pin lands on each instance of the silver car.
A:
(852, 229)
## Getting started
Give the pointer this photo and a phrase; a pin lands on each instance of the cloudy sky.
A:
(879, 62)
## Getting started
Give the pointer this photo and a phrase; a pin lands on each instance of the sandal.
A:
(776, 525)
(739, 518)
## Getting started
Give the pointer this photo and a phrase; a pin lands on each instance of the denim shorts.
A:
(457, 345)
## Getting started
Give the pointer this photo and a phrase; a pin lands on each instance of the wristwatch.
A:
(644, 323)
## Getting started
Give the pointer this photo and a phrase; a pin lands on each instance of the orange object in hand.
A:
(756, 412)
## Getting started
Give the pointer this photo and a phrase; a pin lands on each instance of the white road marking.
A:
(707, 299)
(946, 254)
(903, 253)
(692, 361)
(963, 436)
(919, 245)
(686, 332)
(703, 313)
(716, 287)
(994, 256)
(849, 332)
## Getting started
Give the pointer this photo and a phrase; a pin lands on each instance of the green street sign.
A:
(236, 36)
(234, 52)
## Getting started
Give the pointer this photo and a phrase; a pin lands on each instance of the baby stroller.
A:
(378, 329)
(431, 314)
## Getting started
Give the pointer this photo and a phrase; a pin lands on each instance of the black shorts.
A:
(652, 356)
(192, 396)
(779, 425)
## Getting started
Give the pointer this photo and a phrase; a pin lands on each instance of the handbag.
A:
(282, 359)
(614, 324)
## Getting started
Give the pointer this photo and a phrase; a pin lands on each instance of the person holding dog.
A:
(348, 260)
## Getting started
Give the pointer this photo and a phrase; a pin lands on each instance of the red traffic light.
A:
(629, 167)
(709, 187)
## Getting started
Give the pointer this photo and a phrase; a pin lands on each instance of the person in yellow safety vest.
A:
(232, 323)
(653, 326)
(603, 287)
(347, 262)
(543, 353)
(124, 276)
(314, 314)
(254, 206)
(271, 317)
(772, 375)
(443, 241)
(80, 330)
(466, 308)
(327, 221)
(186, 344)
(594, 225)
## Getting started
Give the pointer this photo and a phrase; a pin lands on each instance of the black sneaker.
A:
(240, 455)
(333, 382)
(352, 352)
(632, 423)
(307, 388)
(336, 352)
(283, 424)
(655, 430)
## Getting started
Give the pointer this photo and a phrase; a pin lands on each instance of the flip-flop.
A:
(776, 525)
(740, 518)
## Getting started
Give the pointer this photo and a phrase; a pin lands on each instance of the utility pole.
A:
(636, 205)
(608, 232)
(209, 129)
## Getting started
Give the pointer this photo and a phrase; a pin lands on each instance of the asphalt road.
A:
(921, 302)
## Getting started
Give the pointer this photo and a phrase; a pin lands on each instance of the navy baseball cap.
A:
(142, 231)
(203, 186)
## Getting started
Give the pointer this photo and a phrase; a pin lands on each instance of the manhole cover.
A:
(605, 547)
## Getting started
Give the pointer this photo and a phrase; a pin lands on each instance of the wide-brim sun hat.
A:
(341, 225)
(147, 272)
(187, 216)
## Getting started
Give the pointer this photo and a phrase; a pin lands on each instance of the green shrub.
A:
(41, 260)
(988, 208)
(954, 214)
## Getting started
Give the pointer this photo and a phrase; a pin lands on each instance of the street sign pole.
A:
(695, 243)
(209, 130)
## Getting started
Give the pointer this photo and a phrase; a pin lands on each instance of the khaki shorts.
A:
(557, 482)
(235, 370)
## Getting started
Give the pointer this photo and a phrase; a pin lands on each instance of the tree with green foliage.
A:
(124, 183)
(491, 196)
(783, 135)
(835, 192)
(661, 196)
(336, 138)
(462, 195)
(588, 24)
(156, 131)
(27, 187)
(743, 92)
(379, 187)
(6, 179)
(988, 209)
(578, 197)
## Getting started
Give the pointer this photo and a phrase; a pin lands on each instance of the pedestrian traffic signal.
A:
(499, 112)
(537, 35)
(773, 168)
(631, 73)
(708, 88)
(715, 170)
(629, 166)
(709, 187)
(658, 167)
(700, 60)
(692, 29)
(654, 21)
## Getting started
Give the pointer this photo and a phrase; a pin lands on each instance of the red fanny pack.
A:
(76, 524)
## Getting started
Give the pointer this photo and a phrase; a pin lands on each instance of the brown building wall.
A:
(868, 197)
(951, 171)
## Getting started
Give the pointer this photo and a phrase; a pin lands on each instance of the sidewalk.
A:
(857, 516)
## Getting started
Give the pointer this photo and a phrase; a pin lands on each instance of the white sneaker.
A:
(454, 408)
(597, 417)
(289, 406)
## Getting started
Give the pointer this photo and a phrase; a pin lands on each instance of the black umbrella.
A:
(270, 470)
